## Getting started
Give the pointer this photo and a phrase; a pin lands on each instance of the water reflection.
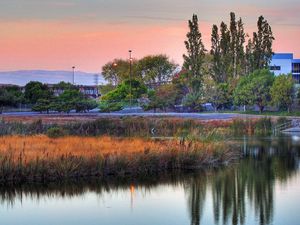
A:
(195, 190)
(234, 192)
(251, 181)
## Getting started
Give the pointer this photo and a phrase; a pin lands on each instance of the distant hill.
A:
(22, 77)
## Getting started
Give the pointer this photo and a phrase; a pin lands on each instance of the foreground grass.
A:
(42, 159)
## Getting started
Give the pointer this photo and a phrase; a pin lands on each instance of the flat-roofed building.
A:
(284, 63)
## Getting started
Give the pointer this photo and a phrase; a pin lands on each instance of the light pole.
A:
(114, 71)
(130, 75)
(73, 67)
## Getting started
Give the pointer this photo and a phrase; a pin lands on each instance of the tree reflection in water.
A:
(251, 181)
(195, 189)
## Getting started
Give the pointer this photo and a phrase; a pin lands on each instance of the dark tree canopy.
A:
(194, 58)
(227, 49)
(36, 90)
(260, 47)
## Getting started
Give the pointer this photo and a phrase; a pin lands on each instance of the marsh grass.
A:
(142, 127)
(42, 159)
(262, 126)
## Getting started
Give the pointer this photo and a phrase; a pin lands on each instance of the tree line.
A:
(235, 72)
(43, 99)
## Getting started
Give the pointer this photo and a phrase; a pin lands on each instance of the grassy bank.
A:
(118, 147)
(138, 127)
(265, 113)
(42, 159)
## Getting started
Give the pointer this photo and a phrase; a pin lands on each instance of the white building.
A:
(284, 63)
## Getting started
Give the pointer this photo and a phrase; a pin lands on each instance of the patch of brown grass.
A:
(42, 146)
(40, 158)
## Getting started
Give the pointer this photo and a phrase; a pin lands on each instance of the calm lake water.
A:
(264, 188)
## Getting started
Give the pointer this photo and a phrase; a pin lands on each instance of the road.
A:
(201, 116)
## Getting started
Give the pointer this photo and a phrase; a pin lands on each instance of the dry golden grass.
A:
(41, 159)
(42, 146)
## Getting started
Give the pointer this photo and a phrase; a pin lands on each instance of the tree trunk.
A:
(261, 108)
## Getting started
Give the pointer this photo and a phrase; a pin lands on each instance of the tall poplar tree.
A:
(225, 47)
(240, 48)
(262, 44)
(215, 51)
(233, 45)
(249, 58)
(193, 60)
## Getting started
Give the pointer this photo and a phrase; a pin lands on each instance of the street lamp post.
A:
(73, 67)
(130, 75)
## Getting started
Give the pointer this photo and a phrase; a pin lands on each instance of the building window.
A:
(296, 79)
(296, 68)
(273, 68)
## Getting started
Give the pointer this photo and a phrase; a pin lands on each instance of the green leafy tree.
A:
(43, 105)
(16, 92)
(85, 104)
(217, 73)
(68, 100)
(194, 59)
(249, 57)
(226, 56)
(228, 50)
(194, 101)
(282, 92)
(36, 90)
(10, 96)
(262, 44)
(118, 70)
(179, 82)
(155, 68)
(240, 49)
(104, 89)
(162, 98)
(233, 45)
(64, 86)
(218, 94)
(116, 99)
(254, 89)
(7, 99)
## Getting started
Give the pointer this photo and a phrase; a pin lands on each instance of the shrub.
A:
(56, 132)
(110, 106)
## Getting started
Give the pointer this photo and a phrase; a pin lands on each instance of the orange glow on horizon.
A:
(59, 45)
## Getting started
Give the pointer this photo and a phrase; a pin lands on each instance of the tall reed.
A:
(42, 159)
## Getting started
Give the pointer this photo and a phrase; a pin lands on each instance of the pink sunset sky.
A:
(55, 35)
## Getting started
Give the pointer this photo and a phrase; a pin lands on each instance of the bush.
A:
(110, 106)
(56, 132)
